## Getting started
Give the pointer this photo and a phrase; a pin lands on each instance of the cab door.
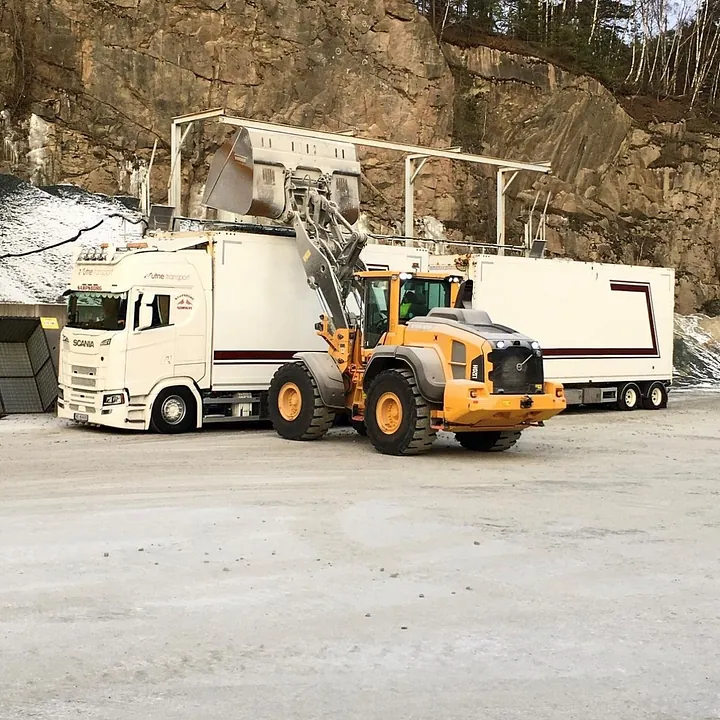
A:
(151, 340)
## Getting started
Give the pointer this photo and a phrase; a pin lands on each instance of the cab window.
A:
(418, 297)
(160, 308)
(377, 293)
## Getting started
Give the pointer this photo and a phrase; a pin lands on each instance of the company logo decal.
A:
(184, 302)
(166, 276)
(83, 343)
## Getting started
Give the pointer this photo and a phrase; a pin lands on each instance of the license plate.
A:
(81, 417)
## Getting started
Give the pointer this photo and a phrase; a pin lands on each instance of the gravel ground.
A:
(230, 574)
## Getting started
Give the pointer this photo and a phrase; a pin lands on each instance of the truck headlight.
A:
(114, 399)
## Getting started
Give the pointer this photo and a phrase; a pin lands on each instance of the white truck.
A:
(606, 330)
(188, 328)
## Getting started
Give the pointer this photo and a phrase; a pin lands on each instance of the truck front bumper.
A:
(87, 408)
(465, 412)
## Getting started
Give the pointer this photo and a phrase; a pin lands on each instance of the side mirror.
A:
(145, 315)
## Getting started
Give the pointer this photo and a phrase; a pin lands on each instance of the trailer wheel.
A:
(629, 397)
(397, 417)
(296, 409)
(656, 397)
(173, 411)
(488, 441)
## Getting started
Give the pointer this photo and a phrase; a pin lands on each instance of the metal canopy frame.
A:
(416, 157)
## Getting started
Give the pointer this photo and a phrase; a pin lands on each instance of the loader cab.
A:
(393, 299)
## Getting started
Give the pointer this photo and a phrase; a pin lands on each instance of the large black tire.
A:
(656, 397)
(296, 409)
(174, 411)
(407, 432)
(629, 397)
(488, 441)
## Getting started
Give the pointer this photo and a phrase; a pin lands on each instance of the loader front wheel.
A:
(488, 441)
(397, 417)
(296, 409)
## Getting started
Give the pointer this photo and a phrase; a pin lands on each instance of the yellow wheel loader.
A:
(405, 359)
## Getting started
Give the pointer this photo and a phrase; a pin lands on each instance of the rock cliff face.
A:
(618, 192)
(93, 83)
(87, 86)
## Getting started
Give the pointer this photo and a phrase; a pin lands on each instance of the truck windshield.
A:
(418, 297)
(97, 310)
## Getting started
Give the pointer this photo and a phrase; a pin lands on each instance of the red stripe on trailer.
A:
(250, 355)
(579, 353)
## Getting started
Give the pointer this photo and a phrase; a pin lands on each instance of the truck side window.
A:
(377, 294)
(160, 311)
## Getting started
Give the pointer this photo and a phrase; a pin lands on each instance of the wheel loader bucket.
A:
(247, 173)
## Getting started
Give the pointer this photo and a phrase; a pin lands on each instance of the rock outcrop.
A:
(618, 192)
(91, 84)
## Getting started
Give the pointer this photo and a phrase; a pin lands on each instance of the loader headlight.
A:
(500, 344)
(535, 345)
(114, 399)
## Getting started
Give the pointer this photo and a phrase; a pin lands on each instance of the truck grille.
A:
(516, 371)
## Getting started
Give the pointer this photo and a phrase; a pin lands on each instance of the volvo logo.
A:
(83, 343)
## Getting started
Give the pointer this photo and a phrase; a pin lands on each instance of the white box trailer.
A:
(188, 328)
(606, 330)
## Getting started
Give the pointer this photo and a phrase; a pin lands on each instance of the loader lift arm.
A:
(312, 187)
(328, 246)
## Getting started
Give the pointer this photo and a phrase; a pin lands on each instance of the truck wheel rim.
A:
(389, 413)
(290, 401)
(173, 410)
(656, 397)
(630, 397)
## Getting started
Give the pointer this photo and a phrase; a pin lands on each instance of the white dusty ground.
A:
(230, 574)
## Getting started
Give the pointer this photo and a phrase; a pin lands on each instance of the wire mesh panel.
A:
(47, 385)
(38, 349)
(20, 395)
(15, 360)
(28, 380)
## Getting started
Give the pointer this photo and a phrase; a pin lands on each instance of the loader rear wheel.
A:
(397, 417)
(488, 441)
(296, 409)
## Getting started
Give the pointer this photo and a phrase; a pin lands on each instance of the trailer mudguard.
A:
(423, 361)
(327, 376)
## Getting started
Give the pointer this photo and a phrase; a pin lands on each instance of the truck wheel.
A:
(397, 418)
(488, 441)
(174, 411)
(629, 397)
(296, 409)
(656, 397)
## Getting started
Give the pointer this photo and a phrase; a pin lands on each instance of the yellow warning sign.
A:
(49, 323)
